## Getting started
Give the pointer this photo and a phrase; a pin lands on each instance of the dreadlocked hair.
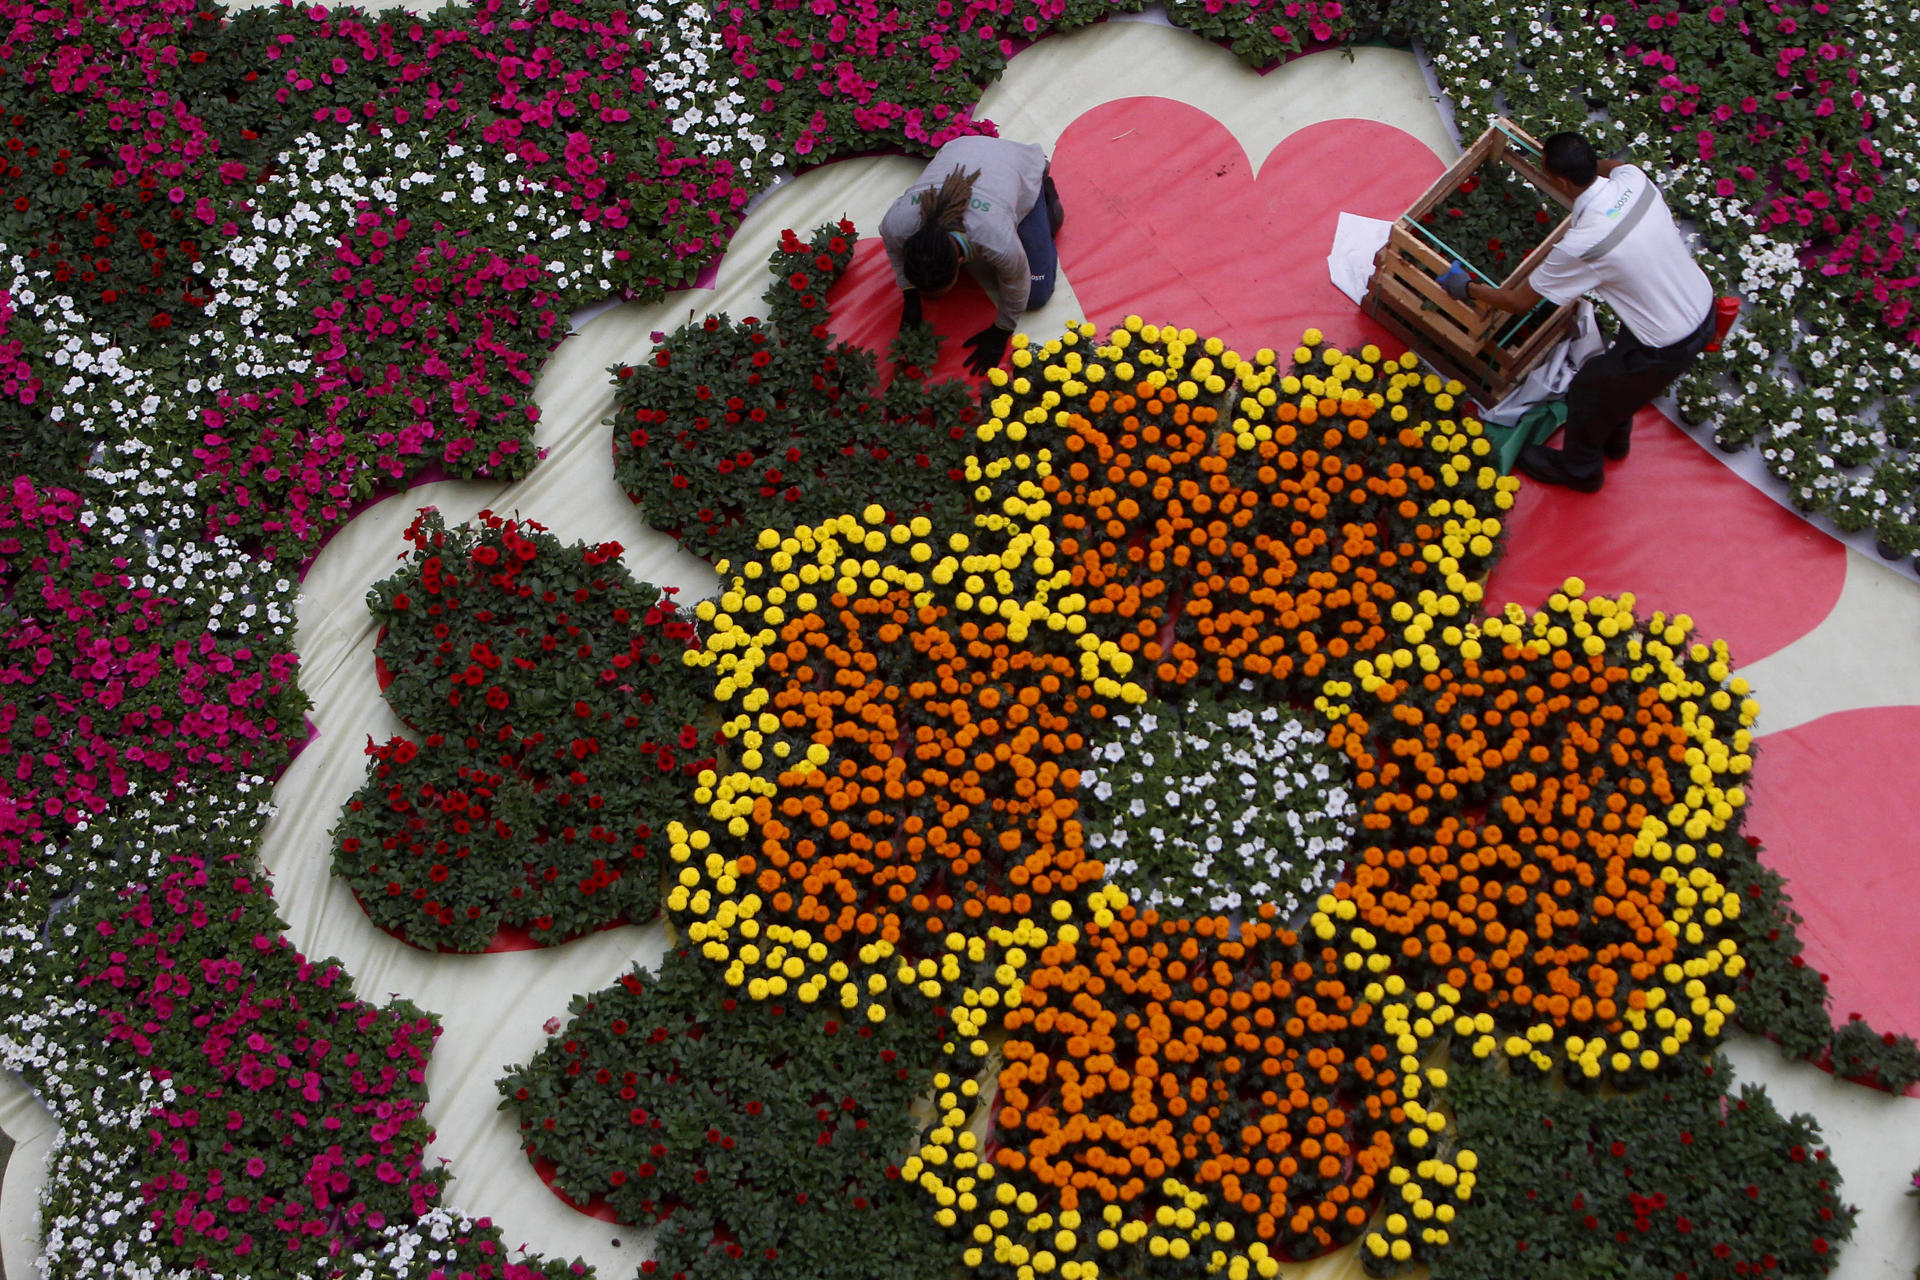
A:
(931, 260)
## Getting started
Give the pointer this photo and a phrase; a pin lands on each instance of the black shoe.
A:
(1619, 443)
(1546, 466)
(1055, 214)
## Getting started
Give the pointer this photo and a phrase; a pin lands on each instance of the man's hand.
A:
(910, 310)
(1455, 282)
(988, 346)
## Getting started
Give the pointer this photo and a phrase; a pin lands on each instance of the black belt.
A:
(1692, 344)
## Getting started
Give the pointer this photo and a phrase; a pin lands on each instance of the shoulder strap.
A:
(1628, 221)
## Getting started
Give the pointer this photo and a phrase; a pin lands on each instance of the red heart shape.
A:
(1206, 244)
(1167, 219)
(1684, 534)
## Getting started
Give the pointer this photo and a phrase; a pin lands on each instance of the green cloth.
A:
(1534, 427)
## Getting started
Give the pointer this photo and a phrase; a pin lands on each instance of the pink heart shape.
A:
(1684, 534)
(1166, 218)
(1836, 802)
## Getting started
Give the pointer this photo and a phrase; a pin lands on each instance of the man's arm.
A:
(900, 221)
(1519, 299)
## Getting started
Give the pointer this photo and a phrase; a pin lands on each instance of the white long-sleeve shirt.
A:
(1005, 192)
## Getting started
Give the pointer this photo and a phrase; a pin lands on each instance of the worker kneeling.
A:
(1622, 245)
(989, 205)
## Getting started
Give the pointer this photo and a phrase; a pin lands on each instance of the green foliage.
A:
(1784, 998)
(1216, 803)
(764, 1137)
(1400, 21)
(733, 427)
(1679, 1179)
(559, 733)
(1879, 1058)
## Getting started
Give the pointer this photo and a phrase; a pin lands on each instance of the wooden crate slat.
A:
(1421, 266)
(1464, 340)
(1464, 315)
(1529, 352)
(1537, 254)
(1519, 163)
(1405, 330)
(1409, 242)
(1436, 339)
(1484, 148)
(1435, 333)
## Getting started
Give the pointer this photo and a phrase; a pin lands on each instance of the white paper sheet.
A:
(1355, 242)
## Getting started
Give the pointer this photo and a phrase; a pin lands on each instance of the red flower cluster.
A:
(558, 734)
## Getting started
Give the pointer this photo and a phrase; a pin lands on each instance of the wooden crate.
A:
(1465, 340)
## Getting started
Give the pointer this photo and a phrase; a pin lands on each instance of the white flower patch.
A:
(1250, 807)
(711, 112)
(92, 1166)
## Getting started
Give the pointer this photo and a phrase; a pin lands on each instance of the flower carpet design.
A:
(942, 895)
(866, 310)
(1808, 797)
(1698, 563)
(1787, 137)
(1210, 210)
(1217, 805)
(760, 1138)
(738, 427)
(264, 267)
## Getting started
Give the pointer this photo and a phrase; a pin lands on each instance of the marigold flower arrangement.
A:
(1193, 1089)
(1272, 518)
(1583, 911)
(983, 656)
(864, 854)
(377, 224)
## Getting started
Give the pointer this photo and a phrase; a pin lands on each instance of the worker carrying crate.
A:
(1623, 245)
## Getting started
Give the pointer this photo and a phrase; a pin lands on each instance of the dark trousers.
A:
(1614, 385)
(1043, 260)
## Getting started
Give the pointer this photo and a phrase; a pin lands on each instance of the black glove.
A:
(1455, 281)
(910, 310)
(988, 346)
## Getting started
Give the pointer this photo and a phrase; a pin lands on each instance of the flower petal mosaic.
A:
(1102, 826)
